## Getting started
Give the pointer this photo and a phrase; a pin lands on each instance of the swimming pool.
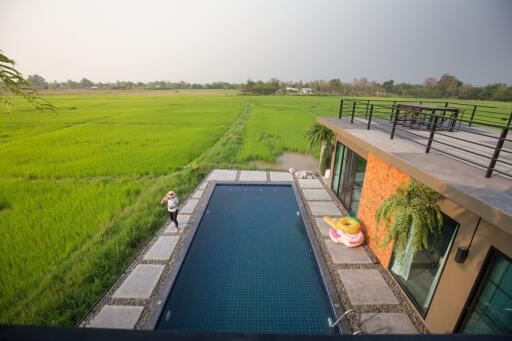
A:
(250, 268)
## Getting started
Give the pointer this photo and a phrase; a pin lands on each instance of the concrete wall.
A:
(457, 280)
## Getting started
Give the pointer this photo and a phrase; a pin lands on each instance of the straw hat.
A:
(171, 194)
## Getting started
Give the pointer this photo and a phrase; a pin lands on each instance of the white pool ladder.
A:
(344, 315)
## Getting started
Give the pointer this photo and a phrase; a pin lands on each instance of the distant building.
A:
(306, 91)
(289, 89)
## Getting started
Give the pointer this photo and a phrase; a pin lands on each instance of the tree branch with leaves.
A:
(16, 84)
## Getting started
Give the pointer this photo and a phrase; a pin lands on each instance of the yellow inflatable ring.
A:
(346, 224)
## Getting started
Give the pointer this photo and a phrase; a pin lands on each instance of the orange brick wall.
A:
(380, 181)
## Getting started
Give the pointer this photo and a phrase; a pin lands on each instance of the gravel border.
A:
(149, 303)
(404, 305)
(353, 319)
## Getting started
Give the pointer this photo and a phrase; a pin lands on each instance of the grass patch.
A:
(65, 294)
(113, 136)
(278, 124)
(79, 189)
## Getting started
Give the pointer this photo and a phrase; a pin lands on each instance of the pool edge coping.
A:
(334, 301)
(162, 296)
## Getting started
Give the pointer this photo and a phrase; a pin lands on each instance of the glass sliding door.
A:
(359, 170)
(491, 309)
(348, 177)
(336, 174)
(418, 274)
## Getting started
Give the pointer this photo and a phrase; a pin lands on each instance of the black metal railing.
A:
(475, 114)
(478, 136)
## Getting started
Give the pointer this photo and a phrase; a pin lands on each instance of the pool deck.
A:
(361, 284)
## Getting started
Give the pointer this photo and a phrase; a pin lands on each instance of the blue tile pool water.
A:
(250, 268)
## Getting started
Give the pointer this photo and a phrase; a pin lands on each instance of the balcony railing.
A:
(477, 135)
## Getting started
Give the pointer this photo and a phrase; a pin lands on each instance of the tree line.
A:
(38, 82)
(447, 86)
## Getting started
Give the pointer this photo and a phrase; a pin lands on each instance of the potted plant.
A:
(411, 212)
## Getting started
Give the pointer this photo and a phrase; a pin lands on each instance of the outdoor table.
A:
(420, 116)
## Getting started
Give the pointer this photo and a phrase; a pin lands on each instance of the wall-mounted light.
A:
(463, 251)
(461, 254)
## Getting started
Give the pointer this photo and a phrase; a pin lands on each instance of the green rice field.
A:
(79, 188)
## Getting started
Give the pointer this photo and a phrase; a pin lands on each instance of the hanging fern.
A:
(413, 204)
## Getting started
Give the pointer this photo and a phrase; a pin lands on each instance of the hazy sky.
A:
(233, 40)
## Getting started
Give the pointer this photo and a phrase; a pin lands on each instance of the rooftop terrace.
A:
(467, 161)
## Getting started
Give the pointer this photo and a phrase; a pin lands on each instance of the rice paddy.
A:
(79, 188)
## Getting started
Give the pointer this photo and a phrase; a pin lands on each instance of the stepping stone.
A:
(203, 185)
(182, 222)
(198, 194)
(189, 206)
(323, 226)
(387, 323)
(316, 194)
(222, 175)
(253, 176)
(323, 208)
(140, 282)
(341, 254)
(366, 287)
(162, 248)
(310, 183)
(280, 176)
(116, 317)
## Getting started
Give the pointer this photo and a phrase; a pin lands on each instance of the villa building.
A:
(462, 284)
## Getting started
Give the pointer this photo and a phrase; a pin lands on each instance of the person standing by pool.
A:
(172, 206)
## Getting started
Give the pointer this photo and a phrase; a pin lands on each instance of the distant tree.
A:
(449, 85)
(468, 91)
(431, 81)
(85, 83)
(335, 86)
(261, 88)
(12, 81)
(37, 82)
(496, 92)
(54, 85)
(70, 84)
(389, 85)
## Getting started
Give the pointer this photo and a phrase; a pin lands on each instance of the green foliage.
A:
(317, 135)
(447, 86)
(79, 191)
(47, 222)
(14, 82)
(62, 292)
(37, 81)
(411, 210)
(113, 135)
(260, 88)
(278, 124)
(320, 136)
